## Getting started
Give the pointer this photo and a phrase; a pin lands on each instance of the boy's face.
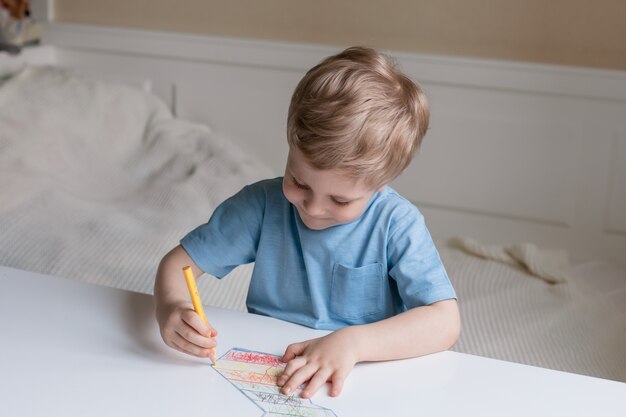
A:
(323, 198)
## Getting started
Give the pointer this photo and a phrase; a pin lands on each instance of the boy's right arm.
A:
(181, 327)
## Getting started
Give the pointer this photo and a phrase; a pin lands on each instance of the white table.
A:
(75, 349)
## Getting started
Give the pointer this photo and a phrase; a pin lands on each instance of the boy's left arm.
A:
(416, 332)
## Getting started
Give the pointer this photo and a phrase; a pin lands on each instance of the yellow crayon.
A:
(195, 298)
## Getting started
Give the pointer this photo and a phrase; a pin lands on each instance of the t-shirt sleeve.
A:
(415, 265)
(230, 237)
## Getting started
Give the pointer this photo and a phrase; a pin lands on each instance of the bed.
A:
(105, 165)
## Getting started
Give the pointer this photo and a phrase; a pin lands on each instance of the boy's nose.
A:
(313, 208)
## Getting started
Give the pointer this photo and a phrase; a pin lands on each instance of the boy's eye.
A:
(297, 184)
(341, 203)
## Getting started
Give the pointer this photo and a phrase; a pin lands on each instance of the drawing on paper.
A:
(255, 375)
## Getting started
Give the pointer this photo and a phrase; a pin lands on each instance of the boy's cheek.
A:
(350, 214)
(289, 193)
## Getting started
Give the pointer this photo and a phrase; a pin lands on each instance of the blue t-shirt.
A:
(360, 272)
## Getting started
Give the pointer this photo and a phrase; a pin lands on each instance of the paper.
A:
(255, 374)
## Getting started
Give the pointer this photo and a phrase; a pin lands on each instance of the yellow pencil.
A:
(195, 298)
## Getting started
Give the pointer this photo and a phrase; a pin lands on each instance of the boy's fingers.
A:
(298, 378)
(191, 335)
(338, 379)
(293, 350)
(187, 347)
(315, 383)
(194, 320)
(290, 369)
(172, 343)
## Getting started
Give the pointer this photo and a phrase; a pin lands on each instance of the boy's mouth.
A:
(313, 222)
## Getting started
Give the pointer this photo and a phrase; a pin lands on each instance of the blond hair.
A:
(356, 112)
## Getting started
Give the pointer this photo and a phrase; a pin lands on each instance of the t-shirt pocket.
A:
(357, 292)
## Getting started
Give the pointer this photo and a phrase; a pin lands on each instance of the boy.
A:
(334, 247)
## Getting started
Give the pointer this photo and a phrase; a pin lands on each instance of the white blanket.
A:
(98, 181)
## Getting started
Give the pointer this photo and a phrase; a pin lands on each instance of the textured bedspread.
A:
(512, 315)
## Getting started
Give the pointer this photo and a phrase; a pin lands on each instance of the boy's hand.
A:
(183, 329)
(328, 358)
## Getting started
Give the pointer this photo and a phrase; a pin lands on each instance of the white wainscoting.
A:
(516, 152)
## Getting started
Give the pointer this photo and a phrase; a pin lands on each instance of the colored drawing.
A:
(255, 375)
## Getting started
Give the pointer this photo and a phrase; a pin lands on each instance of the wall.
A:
(514, 152)
(566, 32)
